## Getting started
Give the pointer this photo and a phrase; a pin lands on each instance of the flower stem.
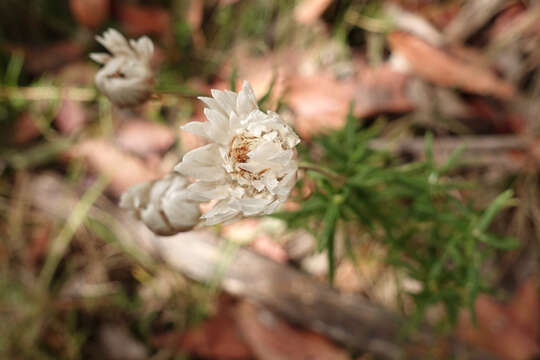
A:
(323, 171)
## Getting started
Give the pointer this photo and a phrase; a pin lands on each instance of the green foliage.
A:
(414, 209)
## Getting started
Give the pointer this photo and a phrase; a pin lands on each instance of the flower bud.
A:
(162, 205)
(126, 77)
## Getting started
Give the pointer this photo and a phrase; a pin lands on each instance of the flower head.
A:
(126, 77)
(250, 165)
(163, 205)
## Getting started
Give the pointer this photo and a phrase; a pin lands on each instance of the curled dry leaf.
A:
(145, 137)
(443, 68)
(272, 338)
(90, 13)
(310, 10)
(124, 170)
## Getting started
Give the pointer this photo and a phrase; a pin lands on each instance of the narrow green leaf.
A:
(453, 160)
(350, 129)
(13, 70)
(329, 225)
(500, 202)
(506, 242)
(233, 78)
(428, 148)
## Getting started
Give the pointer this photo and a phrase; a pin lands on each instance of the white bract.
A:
(163, 205)
(126, 77)
(250, 165)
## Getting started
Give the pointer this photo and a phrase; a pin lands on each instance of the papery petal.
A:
(115, 42)
(285, 186)
(235, 123)
(144, 47)
(220, 213)
(246, 101)
(226, 100)
(250, 206)
(206, 191)
(100, 58)
(270, 208)
(219, 129)
(211, 103)
(199, 128)
(203, 163)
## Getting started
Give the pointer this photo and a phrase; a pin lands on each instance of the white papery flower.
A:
(126, 79)
(163, 205)
(250, 165)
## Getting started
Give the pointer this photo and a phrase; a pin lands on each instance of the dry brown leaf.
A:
(145, 137)
(272, 338)
(498, 331)
(524, 308)
(80, 73)
(506, 18)
(310, 10)
(39, 244)
(194, 18)
(442, 68)
(260, 71)
(122, 169)
(269, 248)
(144, 20)
(117, 343)
(319, 102)
(227, 2)
(71, 117)
(381, 90)
(90, 13)
(25, 129)
(195, 14)
(216, 338)
(44, 58)
(440, 14)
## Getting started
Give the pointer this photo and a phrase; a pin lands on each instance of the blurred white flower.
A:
(126, 77)
(250, 165)
(163, 205)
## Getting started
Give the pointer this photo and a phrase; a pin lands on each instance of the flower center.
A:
(240, 146)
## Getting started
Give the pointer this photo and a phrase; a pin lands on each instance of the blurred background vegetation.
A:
(376, 76)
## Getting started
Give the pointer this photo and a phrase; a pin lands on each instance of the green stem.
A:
(323, 171)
